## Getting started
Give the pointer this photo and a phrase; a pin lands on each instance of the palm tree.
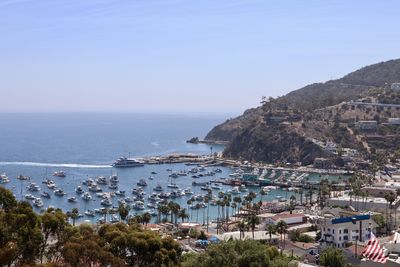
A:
(146, 218)
(183, 215)
(123, 211)
(242, 227)
(281, 228)
(271, 229)
(262, 193)
(197, 212)
(238, 201)
(207, 201)
(233, 206)
(301, 195)
(390, 198)
(74, 215)
(253, 220)
(189, 202)
(292, 203)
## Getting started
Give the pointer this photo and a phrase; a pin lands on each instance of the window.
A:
(346, 231)
(333, 231)
(340, 231)
(345, 237)
(340, 238)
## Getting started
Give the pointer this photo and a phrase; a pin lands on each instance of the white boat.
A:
(90, 213)
(59, 174)
(205, 188)
(86, 196)
(79, 190)
(37, 202)
(72, 199)
(138, 205)
(114, 218)
(101, 180)
(142, 182)
(174, 175)
(45, 194)
(216, 187)
(4, 179)
(154, 197)
(106, 202)
(51, 185)
(89, 182)
(95, 188)
(152, 205)
(29, 196)
(188, 191)
(114, 179)
(59, 192)
(164, 195)
(124, 162)
(23, 178)
(158, 188)
(120, 193)
(235, 190)
(113, 186)
(33, 187)
(243, 188)
(172, 185)
(137, 190)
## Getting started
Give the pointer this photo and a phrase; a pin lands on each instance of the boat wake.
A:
(59, 165)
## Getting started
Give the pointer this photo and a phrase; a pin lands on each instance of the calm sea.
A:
(84, 145)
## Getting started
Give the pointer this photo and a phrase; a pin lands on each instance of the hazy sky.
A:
(182, 56)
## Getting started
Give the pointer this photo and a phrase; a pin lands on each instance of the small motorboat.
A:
(79, 190)
(4, 179)
(29, 196)
(120, 193)
(158, 188)
(90, 213)
(37, 202)
(142, 182)
(33, 187)
(72, 199)
(106, 202)
(101, 180)
(86, 196)
(172, 185)
(45, 194)
(59, 192)
(59, 174)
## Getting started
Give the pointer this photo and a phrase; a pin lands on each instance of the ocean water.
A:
(84, 145)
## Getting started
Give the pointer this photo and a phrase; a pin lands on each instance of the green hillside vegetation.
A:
(282, 129)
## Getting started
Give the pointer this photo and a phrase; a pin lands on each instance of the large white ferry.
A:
(124, 162)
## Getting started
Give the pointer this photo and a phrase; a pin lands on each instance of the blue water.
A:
(84, 145)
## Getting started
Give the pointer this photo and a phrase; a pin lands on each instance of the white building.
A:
(395, 86)
(394, 121)
(367, 125)
(338, 232)
(289, 219)
(378, 204)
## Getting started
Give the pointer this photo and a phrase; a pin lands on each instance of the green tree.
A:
(281, 228)
(253, 221)
(123, 211)
(332, 257)
(271, 229)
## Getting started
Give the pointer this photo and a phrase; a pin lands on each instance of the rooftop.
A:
(286, 216)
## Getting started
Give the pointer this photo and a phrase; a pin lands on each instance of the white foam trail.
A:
(60, 165)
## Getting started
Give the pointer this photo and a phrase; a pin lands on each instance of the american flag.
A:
(374, 251)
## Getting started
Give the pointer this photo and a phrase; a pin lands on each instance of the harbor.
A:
(193, 181)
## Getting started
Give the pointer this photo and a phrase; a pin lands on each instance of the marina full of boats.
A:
(194, 187)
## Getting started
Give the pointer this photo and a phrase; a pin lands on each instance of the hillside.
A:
(281, 129)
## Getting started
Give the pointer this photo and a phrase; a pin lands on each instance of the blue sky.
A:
(182, 56)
